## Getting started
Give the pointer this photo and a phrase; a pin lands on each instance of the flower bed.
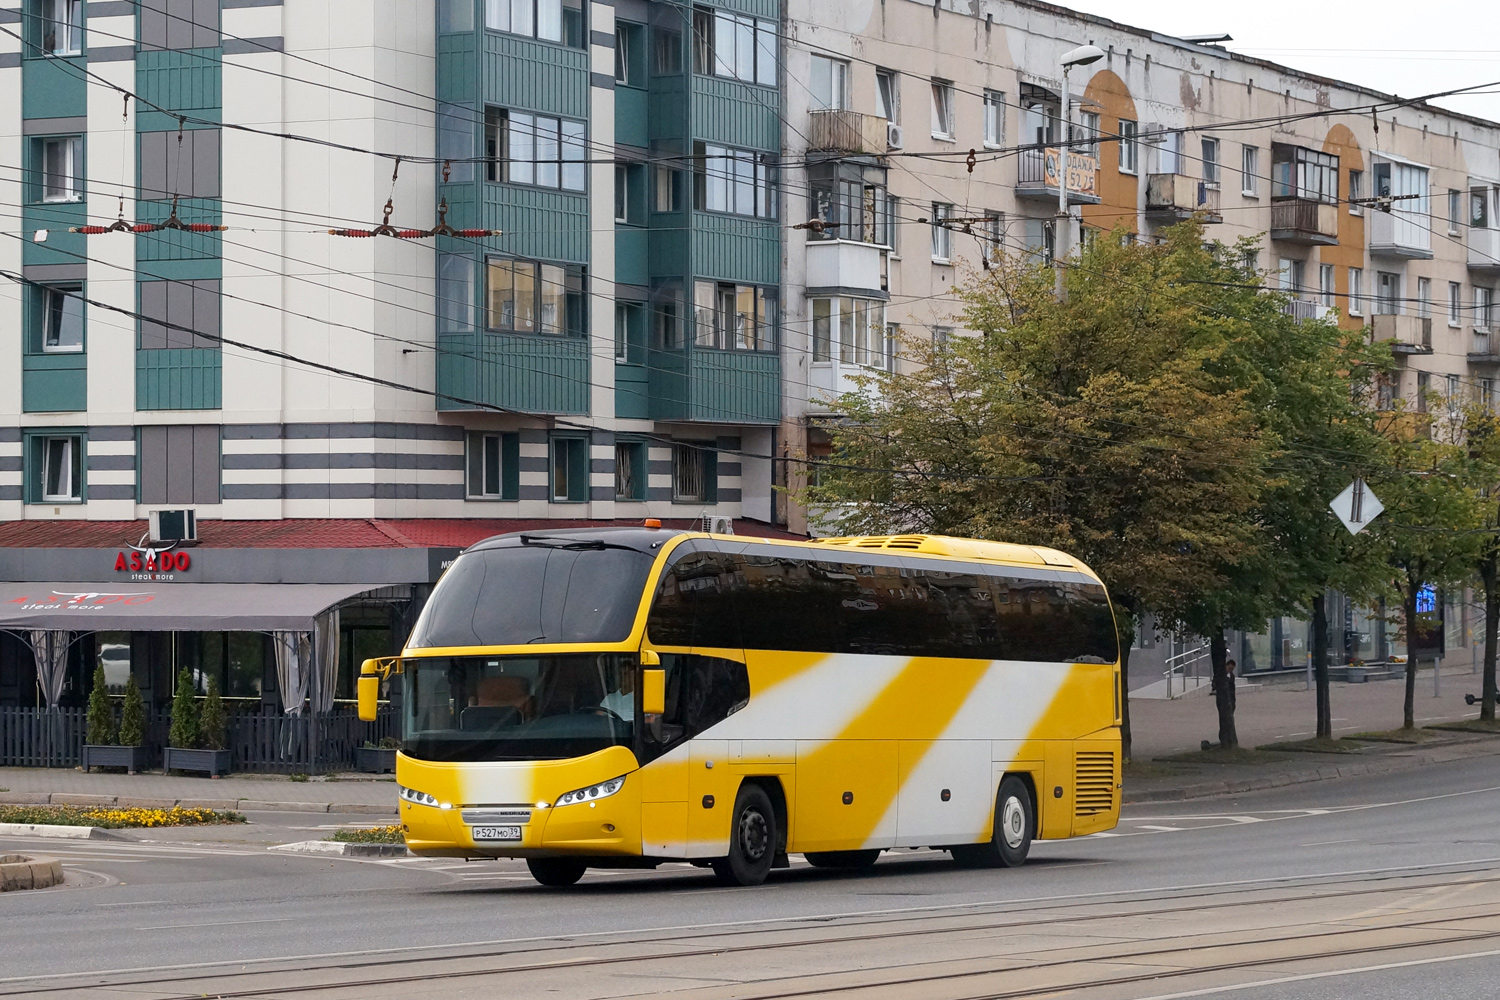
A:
(375, 835)
(115, 819)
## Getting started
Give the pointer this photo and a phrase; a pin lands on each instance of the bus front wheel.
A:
(1015, 818)
(556, 871)
(752, 839)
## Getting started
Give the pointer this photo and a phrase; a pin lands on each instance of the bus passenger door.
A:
(664, 775)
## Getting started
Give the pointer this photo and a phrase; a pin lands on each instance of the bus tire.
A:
(842, 859)
(752, 839)
(556, 871)
(1015, 819)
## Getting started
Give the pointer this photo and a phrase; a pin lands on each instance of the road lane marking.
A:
(217, 923)
(133, 902)
(1306, 977)
(1329, 843)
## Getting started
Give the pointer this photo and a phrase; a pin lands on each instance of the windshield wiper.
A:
(574, 545)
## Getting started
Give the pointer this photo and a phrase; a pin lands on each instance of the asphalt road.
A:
(1385, 886)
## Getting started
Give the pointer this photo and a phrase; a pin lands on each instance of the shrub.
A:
(101, 712)
(211, 722)
(132, 716)
(184, 731)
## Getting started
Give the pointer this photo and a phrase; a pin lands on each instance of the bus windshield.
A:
(477, 708)
(535, 590)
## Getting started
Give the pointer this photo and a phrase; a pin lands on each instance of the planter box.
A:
(132, 759)
(374, 760)
(1356, 675)
(215, 762)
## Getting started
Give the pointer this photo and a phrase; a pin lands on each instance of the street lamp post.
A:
(1081, 56)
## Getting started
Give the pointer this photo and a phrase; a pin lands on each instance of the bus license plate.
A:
(497, 833)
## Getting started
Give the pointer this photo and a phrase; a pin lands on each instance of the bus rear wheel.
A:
(1011, 842)
(556, 871)
(842, 859)
(752, 839)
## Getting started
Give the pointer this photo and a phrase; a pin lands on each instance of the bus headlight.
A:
(412, 795)
(603, 790)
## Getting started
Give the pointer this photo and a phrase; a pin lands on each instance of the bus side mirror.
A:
(368, 689)
(653, 691)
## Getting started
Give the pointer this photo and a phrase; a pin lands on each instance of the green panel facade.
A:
(457, 68)
(179, 379)
(630, 255)
(54, 87)
(54, 383)
(631, 117)
(60, 246)
(632, 392)
(538, 222)
(183, 80)
(176, 244)
(515, 372)
(731, 248)
(736, 114)
(735, 387)
(534, 76)
(668, 374)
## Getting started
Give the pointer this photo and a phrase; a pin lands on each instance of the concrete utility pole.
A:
(1081, 56)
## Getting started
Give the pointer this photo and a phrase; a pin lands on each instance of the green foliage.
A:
(132, 715)
(211, 722)
(184, 731)
(101, 717)
(374, 835)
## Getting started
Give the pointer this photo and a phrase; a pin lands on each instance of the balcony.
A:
(1178, 197)
(1039, 172)
(1407, 334)
(847, 132)
(841, 267)
(1399, 233)
(1305, 221)
(1484, 250)
(1304, 311)
(1484, 349)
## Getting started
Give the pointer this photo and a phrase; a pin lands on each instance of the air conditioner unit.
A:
(174, 526)
(718, 525)
(893, 135)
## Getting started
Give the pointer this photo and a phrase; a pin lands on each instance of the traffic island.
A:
(25, 871)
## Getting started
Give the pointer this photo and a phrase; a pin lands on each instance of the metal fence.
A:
(260, 742)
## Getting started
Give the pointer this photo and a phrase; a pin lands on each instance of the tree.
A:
(132, 715)
(101, 715)
(1483, 439)
(184, 729)
(1108, 425)
(211, 722)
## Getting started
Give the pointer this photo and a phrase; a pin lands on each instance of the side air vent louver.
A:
(1093, 782)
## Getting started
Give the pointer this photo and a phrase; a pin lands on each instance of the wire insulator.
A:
(356, 233)
(204, 227)
(411, 234)
(88, 230)
(474, 233)
(145, 227)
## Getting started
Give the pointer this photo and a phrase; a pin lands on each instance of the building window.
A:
(62, 27)
(1424, 298)
(1326, 293)
(1250, 171)
(60, 168)
(665, 189)
(455, 17)
(56, 467)
(1479, 209)
(528, 296)
(667, 316)
(942, 237)
(734, 46)
(735, 181)
(887, 98)
(61, 320)
(630, 63)
(570, 470)
(1424, 390)
(179, 24)
(851, 202)
(622, 193)
(1038, 237)
(942, 109)
(1455, 303)
(630, 470)
(1487, 393)
(1455, 207)
(1130, 150)
(941, 335)
(1484, 300)
(549, 20)
(1388, 293)
(179, 314)
(180, 164)
(493, 462)
(694, 474)
(455, 284)
(1356, 291)
(179, 464)
(1211, 162)
(1298, 172)
(994, 119)
(861, 330)
(535, 150)
(666, 51)
(1356, 192)
(1290, 275)
(830, 84)
(1086, 136)
(892, 345)
(734, 317)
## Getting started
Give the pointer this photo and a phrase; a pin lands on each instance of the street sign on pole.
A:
(1357, 506)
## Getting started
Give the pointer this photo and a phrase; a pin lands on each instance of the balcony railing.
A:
(1301, 309)
(847, 132)
(1484, 250)
(1302, 220)
(1407, 334)
(1484, 348)
(1175, 194)
(1038, 173)
(1399, 233)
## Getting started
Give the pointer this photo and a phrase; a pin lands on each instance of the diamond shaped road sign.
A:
(1357, 506)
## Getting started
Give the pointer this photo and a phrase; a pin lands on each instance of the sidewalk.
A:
(67, 786)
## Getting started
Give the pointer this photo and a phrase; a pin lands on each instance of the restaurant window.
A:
(730, 317)
(112, 651)
(493, 460)
(736, 181)
(735, 46)
(569, 469)
(630, 470)
(535, 150)
(694, 474)
(179, 24)
(528, 296)
(549, 20)
(179, 464)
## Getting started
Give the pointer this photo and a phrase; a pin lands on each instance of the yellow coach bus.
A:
(617, 698)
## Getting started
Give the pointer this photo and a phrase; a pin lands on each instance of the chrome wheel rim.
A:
(1013, 822)
(754, 835)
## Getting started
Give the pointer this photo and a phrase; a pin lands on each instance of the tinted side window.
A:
(695, 604)
(702, 691)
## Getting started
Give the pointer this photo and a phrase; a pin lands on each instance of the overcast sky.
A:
(1395, 48)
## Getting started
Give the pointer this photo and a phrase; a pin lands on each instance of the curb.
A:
(24, 871)
(54, 832)
(234, 805)
(344, 850)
